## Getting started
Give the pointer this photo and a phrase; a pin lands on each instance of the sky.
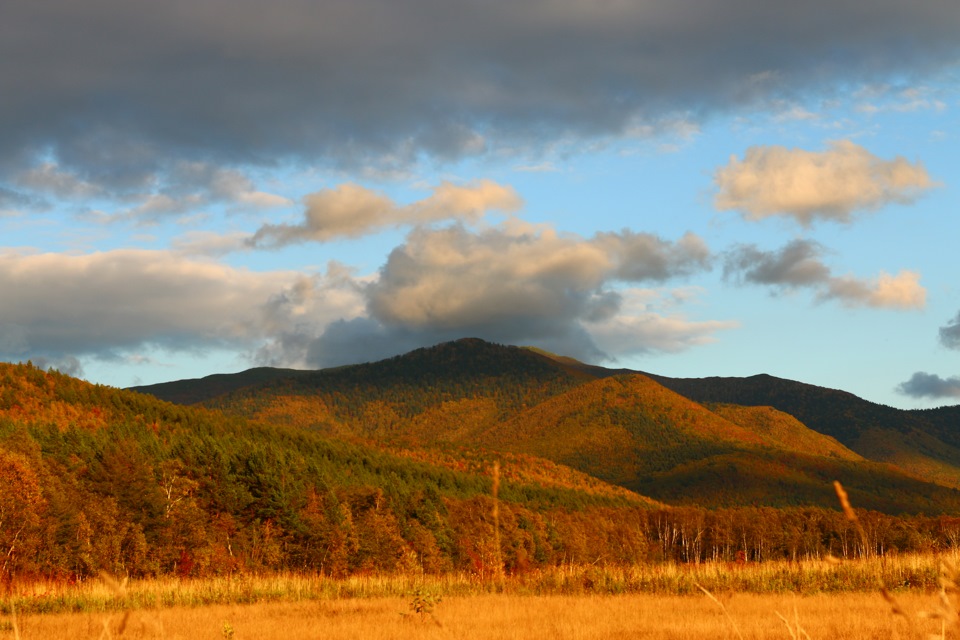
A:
(684, 187)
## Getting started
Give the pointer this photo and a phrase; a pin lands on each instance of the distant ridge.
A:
(925, 443)
(197, 390)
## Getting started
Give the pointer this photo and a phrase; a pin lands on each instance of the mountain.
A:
(714, 442)
(924, 443)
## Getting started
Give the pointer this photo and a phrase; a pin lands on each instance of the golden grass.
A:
(897, 574)
(499, 617)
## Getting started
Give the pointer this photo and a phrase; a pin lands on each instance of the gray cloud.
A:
(950, 334)
(367, 340)
(11, 200)
(66, 364)
(807, 185)
(109, 304)
(798, 265)
(113, 89)
(518, 284)
(929, 385)
(187, 187)
(513, 283)
(517, 274)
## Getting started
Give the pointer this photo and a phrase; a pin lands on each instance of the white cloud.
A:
(352, 211)
(642, 327)
(109, 303)
(807, 186)
(902, 291)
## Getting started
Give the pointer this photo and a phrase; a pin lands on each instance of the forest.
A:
(101, 479)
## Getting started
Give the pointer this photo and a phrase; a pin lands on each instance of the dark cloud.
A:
(950, 334)
(929, 385)
(11, 200)
(367, 340)
(113, 89)
(798, 265)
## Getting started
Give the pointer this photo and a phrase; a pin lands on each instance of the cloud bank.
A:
(809, 186)
(102, 305)
(110, 89)
(798, 265)
(514, 283)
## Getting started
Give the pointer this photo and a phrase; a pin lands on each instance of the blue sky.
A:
(677, 187)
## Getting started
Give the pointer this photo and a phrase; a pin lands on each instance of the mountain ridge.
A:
(471, 393)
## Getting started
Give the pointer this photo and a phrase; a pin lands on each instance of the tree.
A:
(21, 505)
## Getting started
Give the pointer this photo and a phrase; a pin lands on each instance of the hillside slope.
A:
(925, 444)
(96, 479)
(632, 431)
(627, 429)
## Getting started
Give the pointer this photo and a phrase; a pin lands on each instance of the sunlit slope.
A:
(783, 431)
(632, 431)
(924, 443)
(442, 394)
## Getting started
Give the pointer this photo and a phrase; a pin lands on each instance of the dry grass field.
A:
(498, 617)
(880, 598)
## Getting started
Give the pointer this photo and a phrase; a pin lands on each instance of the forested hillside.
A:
(925, 443)
(96, 479)
(101, 479)
(623, 428)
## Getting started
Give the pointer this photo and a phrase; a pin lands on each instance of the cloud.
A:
(210, 243)
(902, 291)
(641, 327)
(950, 334)
(798, 265)
(104, 304)
(929, 385)
(67, 364)
(518, 284)
(352, 211)
(807, 185)
(513, 283)
(12, 201)
(453, 277)
(47, 178)
(187, 187)
(109, 89)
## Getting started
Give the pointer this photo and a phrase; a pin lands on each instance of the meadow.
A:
(811, 599)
